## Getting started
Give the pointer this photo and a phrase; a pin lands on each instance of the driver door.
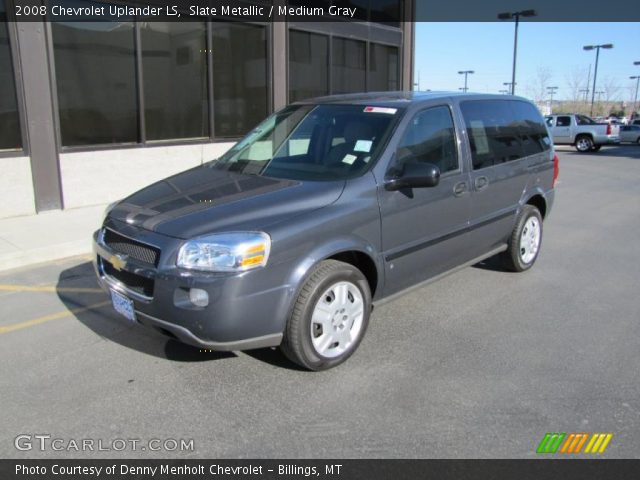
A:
(423, 229)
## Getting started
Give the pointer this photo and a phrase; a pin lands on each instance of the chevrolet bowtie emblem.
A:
(118, 261)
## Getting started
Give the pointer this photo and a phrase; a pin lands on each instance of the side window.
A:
(493, 132)
(430, 138)
(549, 121)
(563, 122)
(533, 134)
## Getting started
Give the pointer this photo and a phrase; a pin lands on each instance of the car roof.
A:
(400, 98)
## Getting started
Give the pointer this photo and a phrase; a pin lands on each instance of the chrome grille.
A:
(138, 250)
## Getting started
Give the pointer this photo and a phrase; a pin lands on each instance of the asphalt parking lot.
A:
(480, 364)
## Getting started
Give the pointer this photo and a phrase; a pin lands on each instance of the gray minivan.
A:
(327, 207)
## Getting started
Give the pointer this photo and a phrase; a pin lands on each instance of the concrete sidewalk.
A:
(47, 236)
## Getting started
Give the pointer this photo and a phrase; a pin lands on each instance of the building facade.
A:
(92, 111)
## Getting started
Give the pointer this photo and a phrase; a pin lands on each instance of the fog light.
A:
(198, 297)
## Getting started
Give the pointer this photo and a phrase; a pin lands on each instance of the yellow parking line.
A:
(47, 318)
(28, 288)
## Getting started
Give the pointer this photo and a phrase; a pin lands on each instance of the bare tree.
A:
(576, 81)
(611, 89)
(537, 86)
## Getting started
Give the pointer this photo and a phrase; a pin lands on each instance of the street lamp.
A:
(635, 97)
(595, 72)
(465, 73)
(551, 91)
(509, 16)
(504, 92)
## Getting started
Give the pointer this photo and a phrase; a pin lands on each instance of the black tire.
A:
(638, 141)
(584, 143)
(596, 148)
(297, 343)
(512, 257)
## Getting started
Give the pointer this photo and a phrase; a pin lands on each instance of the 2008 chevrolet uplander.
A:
(327, 206)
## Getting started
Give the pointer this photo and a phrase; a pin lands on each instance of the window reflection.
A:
(239, 77)
(174, 60)
(308, 65)
(10, 138)
(96, 82)
(348, 69)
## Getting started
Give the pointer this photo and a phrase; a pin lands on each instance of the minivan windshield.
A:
(313, 142)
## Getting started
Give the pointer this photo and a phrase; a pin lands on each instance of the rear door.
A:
(423, 229)
(504, 146)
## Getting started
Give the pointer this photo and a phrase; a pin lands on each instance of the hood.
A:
(207, 200)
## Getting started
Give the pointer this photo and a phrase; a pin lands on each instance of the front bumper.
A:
(245, 311)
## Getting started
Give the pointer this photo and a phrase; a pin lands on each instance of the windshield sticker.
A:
(363, 146)
(387, 110)
(349, 159)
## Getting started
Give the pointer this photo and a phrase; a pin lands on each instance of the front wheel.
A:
(329, 318)
(525, 241)
(584, 143)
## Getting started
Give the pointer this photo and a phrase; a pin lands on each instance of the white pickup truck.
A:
(582, 132)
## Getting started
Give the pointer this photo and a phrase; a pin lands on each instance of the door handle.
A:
(481, 183)
(459, 189)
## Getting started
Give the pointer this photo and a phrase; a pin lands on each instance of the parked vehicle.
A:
(328, 206)
(582, 132)
(630, 133)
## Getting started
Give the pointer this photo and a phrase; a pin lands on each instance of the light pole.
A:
(551, 91)
(509, 16)
(504, 92)
(595, 71)
(465, 73)
(509, 86)
(635, 97)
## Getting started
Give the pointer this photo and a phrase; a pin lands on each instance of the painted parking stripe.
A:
(47, 289)
(48, 318)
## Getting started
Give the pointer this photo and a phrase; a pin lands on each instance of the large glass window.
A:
(308, 65)
(430, 138)
(493, 132)
(313, 142)
(239, 77)
(96, 81)
(384, 68)
(174, 61)
(10, 138)
(348, 66)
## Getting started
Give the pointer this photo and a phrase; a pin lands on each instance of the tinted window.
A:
(493, 132)
(96, 80)
(175, 80)
(9, 119)
(583, 120)
(384, 68)
(308, 65)
(563, 121)
(307, 142)
(532, 131)
(348, 66)
(430, 138)
(239, 78)
(549, 121)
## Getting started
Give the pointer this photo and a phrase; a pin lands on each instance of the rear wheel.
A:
(329, 318)
(584, 143)
(525, 241)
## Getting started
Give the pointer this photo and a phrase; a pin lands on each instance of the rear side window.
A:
(493, 132)
(563, 122)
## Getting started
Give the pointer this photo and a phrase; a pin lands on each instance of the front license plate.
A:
(123, 306)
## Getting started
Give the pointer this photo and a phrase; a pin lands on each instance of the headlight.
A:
(225, 252)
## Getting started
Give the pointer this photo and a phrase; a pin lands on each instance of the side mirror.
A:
(414, 175)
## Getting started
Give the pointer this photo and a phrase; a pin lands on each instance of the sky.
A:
(443, 49)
